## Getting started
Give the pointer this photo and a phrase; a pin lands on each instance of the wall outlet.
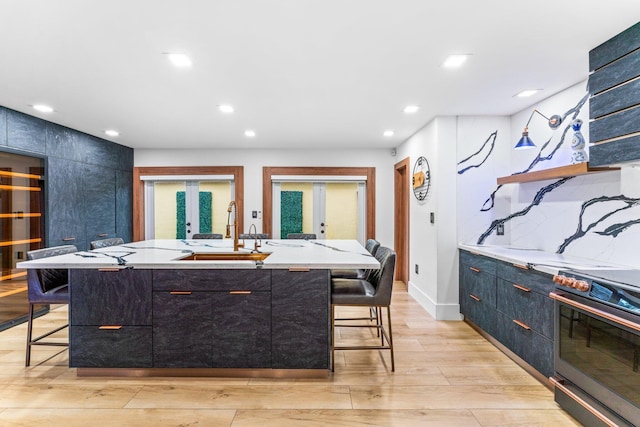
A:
(417, 269)
(254, 214)
(432, 218)
(500, 230)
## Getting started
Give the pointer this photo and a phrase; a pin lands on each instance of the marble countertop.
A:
(156, 254)
(546, 262)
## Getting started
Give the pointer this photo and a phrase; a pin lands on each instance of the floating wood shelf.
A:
(553, 173)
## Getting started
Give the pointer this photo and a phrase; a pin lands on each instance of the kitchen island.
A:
(196, 307)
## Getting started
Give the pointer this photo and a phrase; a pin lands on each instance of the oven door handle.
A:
(559, 384)
(603, 314)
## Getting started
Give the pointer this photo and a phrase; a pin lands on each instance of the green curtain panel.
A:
(290, 213)
(205, 202)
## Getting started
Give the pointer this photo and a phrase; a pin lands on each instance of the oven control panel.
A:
(616, 294)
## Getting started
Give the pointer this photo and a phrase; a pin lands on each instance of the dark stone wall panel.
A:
(618, 72)
(611, 153)
(615, 47)
(623, 123)
(26, 132)
(617, 99)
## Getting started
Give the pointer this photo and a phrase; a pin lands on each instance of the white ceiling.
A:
(300, 73)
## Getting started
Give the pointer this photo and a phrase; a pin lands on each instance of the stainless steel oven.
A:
(597, 346)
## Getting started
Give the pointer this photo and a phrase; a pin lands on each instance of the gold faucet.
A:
(233, 207)
(256, 242)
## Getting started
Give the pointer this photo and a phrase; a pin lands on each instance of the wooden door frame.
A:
(267, 190)
(401, 218)
(138, 189)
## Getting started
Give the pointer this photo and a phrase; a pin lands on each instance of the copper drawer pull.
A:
(302, 269)
(477, 270)
(522, 325)
(522, 288)
(68, 239)
(239, 292)
(524, 267)
(103, 234)
(107, 269)
(474, 297)
(180, 293)
(110, 327)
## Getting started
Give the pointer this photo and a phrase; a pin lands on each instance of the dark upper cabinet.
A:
(100, 152)
(3, 126)
(99, 202)
(63, 142)
(65, 203)
(124, 204)
(25, 132)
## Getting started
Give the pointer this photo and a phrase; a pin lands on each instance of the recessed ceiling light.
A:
(43, 108)
(249, 133)
(179, 59)
(226, 108)
(112, 132)
(388, 133)
(410, 109)
(526, 93)
(454, 61)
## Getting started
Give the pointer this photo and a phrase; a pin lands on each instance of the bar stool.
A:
(373, 292)
(371, 246)
(104, 243)
(46, 286)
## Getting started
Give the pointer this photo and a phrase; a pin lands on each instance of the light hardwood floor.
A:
(446, 375)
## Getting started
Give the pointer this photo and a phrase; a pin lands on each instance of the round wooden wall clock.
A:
(421, 180)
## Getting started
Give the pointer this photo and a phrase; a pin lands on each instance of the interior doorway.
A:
(401, 219)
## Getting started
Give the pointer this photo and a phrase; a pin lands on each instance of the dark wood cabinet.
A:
(512, 305)
(300, 325)
(478, 291)
(110, 323)
(182, 329)
(212, 318)
(99, 202)
(65, 203)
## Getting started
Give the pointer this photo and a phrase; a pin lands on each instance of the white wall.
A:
(254, 160)
(433, 247)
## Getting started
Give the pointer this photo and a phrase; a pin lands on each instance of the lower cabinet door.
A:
(300, 332)
(126, 347)
(182, 326)
(241, 330)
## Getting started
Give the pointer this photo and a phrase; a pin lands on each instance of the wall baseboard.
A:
(437, 311)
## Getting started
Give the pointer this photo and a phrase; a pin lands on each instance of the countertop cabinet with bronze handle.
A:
(522, 313)
(478, 290)
(111, 319)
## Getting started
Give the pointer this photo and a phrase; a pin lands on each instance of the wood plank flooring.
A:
(446, 375)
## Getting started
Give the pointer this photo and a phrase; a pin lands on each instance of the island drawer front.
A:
(125, 347)
(114, 297)
(478, 262)
(531, 308)
(536, 281)
(211, 280)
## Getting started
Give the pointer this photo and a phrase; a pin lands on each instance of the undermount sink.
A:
(228, 256)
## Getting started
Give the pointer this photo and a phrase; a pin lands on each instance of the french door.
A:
(180, 208)
(328, 209)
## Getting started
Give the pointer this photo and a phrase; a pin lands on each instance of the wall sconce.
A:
(526, 142)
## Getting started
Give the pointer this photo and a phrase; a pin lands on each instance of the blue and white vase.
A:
(579, 154)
